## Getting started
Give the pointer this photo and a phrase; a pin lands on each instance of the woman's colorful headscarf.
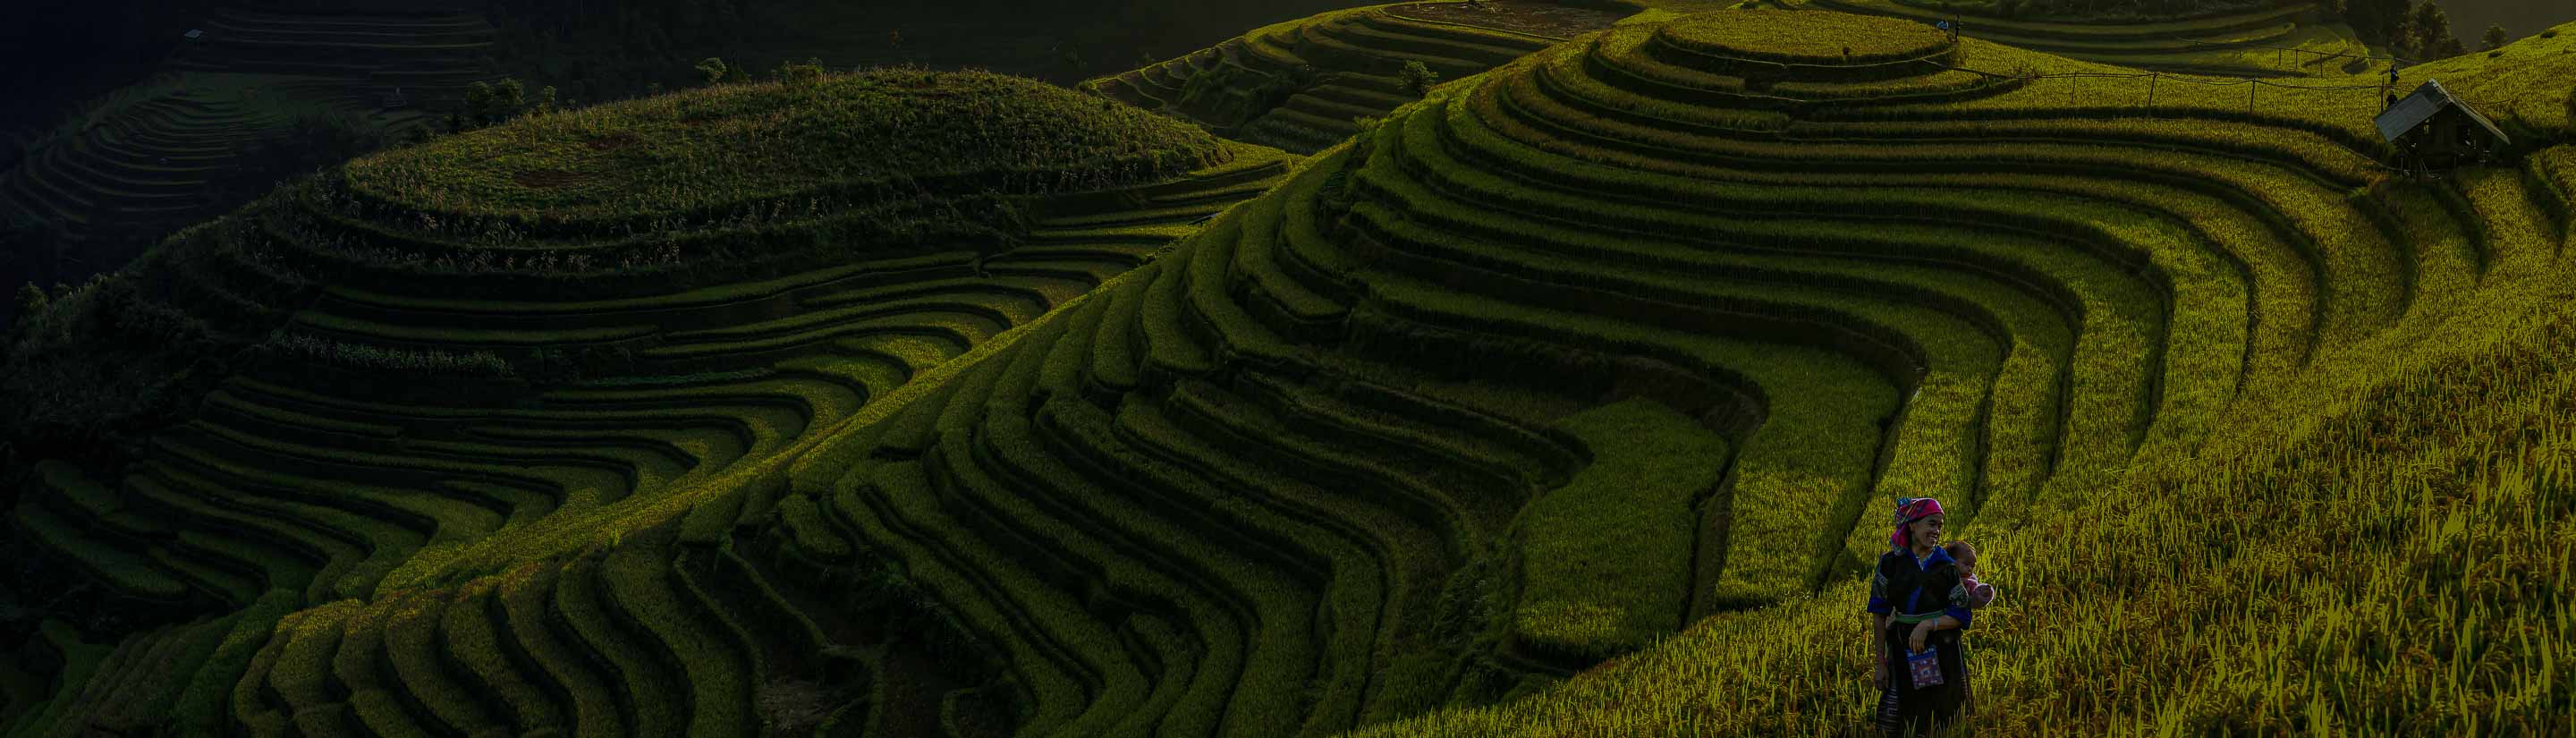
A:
(1910, 509)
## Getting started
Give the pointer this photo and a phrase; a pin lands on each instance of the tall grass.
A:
(300, 345)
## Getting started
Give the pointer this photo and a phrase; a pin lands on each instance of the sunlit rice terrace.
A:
(1567, 395)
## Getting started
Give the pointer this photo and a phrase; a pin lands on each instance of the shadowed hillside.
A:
(400, 376)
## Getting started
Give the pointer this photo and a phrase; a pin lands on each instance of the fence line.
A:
(2320, 54)
(2156, 79)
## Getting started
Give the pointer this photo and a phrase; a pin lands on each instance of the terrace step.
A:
(1344, 92)
(105, 559)
(1378, 31)
(1317, 108)
(1318, 41)
(1163, 214)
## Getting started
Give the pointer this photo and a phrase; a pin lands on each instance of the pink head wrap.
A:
(1908, 510)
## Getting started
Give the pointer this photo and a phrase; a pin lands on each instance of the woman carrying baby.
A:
(1918, 603)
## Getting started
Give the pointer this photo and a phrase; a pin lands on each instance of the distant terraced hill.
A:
(397, 406)
(146, 159)
(1300, 84)
(147, 155)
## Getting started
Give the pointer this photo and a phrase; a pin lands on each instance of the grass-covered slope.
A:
(274, 413)
(2359, 535)
(1871, 283)
(1300, 85)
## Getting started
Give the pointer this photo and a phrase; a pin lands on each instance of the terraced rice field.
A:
(348, 59)
(354, 469)
(2278, 41)
(1619, 349)
(143, 159)
(145, 155)
(1253, 89)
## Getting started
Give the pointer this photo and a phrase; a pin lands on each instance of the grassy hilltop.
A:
(1566, 398)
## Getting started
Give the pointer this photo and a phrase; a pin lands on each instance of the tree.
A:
(2427, 33)
(31, 301)
(2496, 38)
(713, 68)
(478, 98)
(2378, 21)
(509, 98)
(801, 75)
(1418, 77)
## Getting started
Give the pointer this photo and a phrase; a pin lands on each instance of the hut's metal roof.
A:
(2421, 106)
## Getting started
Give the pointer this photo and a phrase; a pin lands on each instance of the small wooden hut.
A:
(2434, 131)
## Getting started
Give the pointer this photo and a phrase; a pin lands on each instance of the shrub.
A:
(2496, 38)
(801, 75)
(489, 104)
(31, 300)
(1418, 78)
(713, 68)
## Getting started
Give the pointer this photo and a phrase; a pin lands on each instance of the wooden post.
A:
(2250, 87)
(2151, 88)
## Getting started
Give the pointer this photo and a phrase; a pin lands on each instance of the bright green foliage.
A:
(1605, 560)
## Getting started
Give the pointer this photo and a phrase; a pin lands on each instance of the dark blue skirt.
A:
(1904, 710)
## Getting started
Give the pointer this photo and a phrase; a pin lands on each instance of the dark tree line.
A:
(2415, 31)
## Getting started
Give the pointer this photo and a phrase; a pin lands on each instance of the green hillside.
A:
(1566, 397)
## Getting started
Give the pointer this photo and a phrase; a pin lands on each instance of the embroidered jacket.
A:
(1920, 585)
